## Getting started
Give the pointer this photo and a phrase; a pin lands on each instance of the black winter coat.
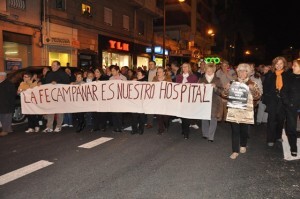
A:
(271, 96)
(59, 76)
(8, 94)
(291, 92)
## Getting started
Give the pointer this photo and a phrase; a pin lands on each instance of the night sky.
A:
(275, 23)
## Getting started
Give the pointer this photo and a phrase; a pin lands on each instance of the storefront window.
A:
(115, 59)
(16, 55)
(142, 61)
(63, 58)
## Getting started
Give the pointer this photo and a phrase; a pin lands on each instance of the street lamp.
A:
(164, 31)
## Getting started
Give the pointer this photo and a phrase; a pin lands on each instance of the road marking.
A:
(23, 171)
(286, 148)
(95, 142)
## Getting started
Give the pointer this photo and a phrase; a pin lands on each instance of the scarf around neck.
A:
(279, 82)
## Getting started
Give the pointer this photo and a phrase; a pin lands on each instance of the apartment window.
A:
(141, 28)
(108, 16)
(60, 4)
(18, 4)
(125, 22)
(86, 10)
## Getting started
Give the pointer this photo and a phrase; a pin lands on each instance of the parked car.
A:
(16, 78)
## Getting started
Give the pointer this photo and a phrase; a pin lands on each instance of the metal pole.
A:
(164, 36)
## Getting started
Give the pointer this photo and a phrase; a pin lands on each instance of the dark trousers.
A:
(33, 121)
(276, 117)
(6, 119)
(80, 118)
(291, 127)
(185, 126)
(239, 136)
(163, 122)
(117, 120)
(138, 121)
(99, 119)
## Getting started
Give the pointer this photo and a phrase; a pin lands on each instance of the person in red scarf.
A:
(272, 88)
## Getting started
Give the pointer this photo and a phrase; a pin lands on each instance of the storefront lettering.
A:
(118, 45)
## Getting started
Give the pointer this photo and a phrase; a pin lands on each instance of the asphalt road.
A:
(146, 166)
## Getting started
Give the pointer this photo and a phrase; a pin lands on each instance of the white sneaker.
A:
(243, 150)
(70, 125)
(270, 143)
(30, 130)
(47, 130)
(180, 121)
(234, 155)
(176, 120)
(57, 130)
(195, 126)
(37, 129)
(65, 125)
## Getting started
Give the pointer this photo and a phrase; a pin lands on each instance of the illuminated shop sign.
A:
(118, 45)
(157, 50)
(215, 60)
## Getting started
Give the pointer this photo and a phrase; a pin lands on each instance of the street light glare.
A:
(181, 1)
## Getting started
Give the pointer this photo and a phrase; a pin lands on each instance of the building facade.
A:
(20, 34)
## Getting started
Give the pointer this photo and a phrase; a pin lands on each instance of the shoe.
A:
(210, 140)
(203, 137)
(234, 155)
(186, 136)
(57, 130)
(65, 125)
(3, 134)
(30, 130)
(294, 154)
(149, 126)
(279, 140)
(180, 121)
(270, 143)
(71, 126)
(36, 129)
(94, 130)
(117, 131)
(141, 131)
(243, 150)
(176, 120)
(195, 126)
(47, 130)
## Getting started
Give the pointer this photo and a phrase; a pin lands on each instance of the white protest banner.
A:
(238, 95)
(166, 98)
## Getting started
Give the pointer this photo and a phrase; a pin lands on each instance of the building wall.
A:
(22, 21)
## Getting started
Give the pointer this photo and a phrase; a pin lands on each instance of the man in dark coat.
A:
(7, 103)
(56, 76)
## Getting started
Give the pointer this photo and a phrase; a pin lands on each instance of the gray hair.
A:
(243, 66)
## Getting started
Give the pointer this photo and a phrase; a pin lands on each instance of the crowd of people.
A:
(273, 98)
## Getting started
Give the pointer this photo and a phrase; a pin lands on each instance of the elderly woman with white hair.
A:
(241, 116)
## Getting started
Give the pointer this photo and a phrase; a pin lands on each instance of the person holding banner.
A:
(186, 76)
(241, 94)
(117, 117)
(56, 76)
(209, 126)
(163, 120)
(291, 100)
(33, 124)
(139, 119)
(99, 118)
(79, 116)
